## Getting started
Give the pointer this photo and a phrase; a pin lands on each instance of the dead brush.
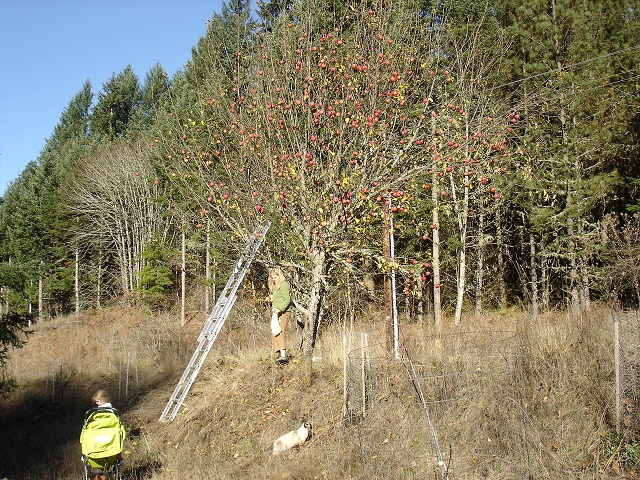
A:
(496, 412)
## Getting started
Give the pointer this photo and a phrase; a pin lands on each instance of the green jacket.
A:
(281, 297)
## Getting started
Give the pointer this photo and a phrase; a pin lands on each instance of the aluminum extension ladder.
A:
(212, 326)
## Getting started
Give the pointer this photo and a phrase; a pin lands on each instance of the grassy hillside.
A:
(500, 398)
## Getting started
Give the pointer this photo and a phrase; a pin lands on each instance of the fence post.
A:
(363, 375)
(345, 399)
(616, 358)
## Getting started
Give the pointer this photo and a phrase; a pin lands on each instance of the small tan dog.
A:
(292, 438)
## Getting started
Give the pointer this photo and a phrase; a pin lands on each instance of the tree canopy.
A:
(485, 154)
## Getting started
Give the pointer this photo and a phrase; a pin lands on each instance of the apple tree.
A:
(328, 127)
(469, 150)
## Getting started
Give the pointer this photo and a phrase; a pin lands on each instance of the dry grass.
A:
(505, 398)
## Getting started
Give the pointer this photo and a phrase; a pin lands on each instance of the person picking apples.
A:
(280, 298)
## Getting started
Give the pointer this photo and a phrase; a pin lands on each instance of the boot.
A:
(282, 358)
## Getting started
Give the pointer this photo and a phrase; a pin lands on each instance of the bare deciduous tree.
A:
(116, 201)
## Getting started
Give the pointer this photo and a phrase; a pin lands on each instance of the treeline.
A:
(472, 155)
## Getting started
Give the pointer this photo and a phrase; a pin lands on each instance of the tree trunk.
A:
(583, 274)
(480, 264)
(77, 281)
(388, 297)
(183, 281)
(420, 305)
(545, 282)
(502, 284)
(122, 254)
(4, 310)
(368, 279)
(312, 321)
(437, 302)
(574, 296)
(462, 213)
(535, 309)
(7, 307)
(99, 281)
(462, 272)
(585, 296)
(40, 298)
(130, 257)
(435, 247)
(30, 304)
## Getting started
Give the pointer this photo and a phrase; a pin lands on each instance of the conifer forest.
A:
(482, 155)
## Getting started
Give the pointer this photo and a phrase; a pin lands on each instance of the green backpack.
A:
(102, 434)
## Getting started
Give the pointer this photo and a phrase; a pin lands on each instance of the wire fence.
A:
(123, 367)
(626, 341)
(429, 415)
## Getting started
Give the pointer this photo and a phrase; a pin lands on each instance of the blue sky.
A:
(49, 48)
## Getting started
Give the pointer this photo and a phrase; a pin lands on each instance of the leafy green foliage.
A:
(624, 451)
(13, 325)
(294, 117)
(569, 91)
(155, 277)
(224, 50)
(153, 91)
(116, 105)
(13, 328)
(70, 135)
(270, 10)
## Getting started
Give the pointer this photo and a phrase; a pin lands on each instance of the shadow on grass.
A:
(41, 439)
(36, 433)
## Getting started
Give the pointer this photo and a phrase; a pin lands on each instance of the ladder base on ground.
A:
(212, 326)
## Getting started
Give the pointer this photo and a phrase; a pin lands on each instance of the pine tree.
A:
(74, 120)
(35, 222)
(116, 104)
(155, 86)
(566, 95)
(226, 47)
(271, 10)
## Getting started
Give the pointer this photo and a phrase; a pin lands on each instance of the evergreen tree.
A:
(34, 218)
(155, 277)
(74, 120)
(116, 104)
(566, 108)
(19, 232)
(154, 88)
(224, 50)
(269, 11)
(14, 322)
(26, 244)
